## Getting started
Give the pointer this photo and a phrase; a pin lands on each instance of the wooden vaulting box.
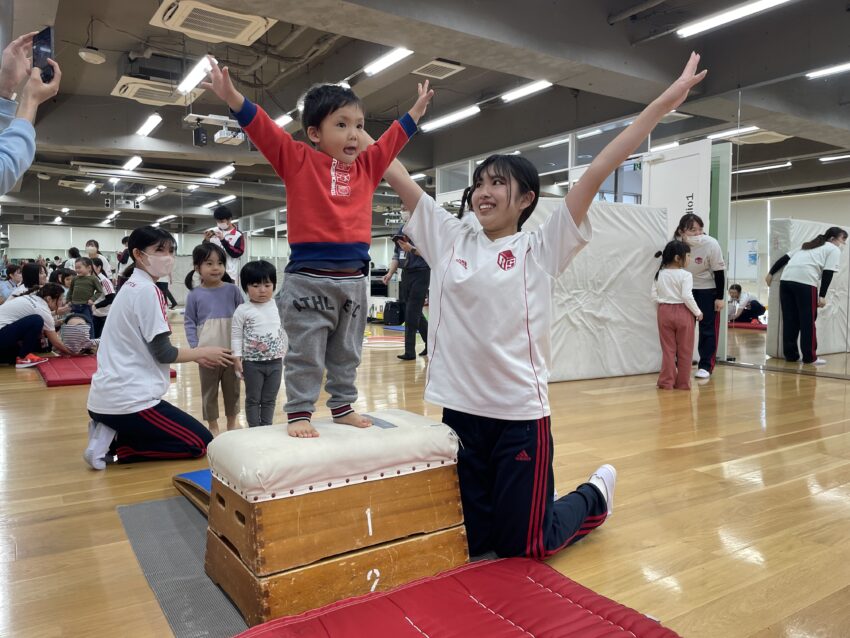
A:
(298, 523)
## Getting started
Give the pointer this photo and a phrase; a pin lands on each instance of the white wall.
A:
(749, 221)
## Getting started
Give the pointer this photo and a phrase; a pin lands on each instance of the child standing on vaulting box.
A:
(329, 189)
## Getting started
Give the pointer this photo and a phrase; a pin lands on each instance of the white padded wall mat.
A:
(604, 322)
(833, 322)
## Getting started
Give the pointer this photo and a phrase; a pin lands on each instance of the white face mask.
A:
(159, 265)
(694, 240)
(222, 225)
(92, 251)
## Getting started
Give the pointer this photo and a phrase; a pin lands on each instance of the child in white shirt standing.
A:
(258, 342)
(673, 291)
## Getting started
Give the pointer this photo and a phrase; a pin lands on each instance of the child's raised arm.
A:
(221, 84)
(583, 193)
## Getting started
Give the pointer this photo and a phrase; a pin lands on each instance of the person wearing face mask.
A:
(814, 264)
(229, 238)
(413, 290)
(93, 250)
(129, 420)
(709, 272)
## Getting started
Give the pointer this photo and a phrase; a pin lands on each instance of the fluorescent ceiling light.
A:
(116, 212)
(151, 192)
(211, 204)
(57, 220)
(192, 187)
(759, 169)
(227, 199)
(90, 188)
(226, 170)
(560, 170)
(451, 118)
(738, 13)
(198, 73)
(141, 198)
(150, 124)
(834, 158)
(830, 70)
(160, 187)
(528, 89)
(386, 61)
(563, 140)
(132, 163)
(282, 210)
(343, 84)
(733, 132)
(166, 218)
(417, 176)
(156, 225)
(663, 147)
(586, 134)
(565, 183)
(114, 180)
(283, 120)
(66, 210)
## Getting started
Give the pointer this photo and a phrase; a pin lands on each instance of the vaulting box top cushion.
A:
(266, 463)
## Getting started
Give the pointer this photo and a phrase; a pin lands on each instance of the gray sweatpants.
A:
(262, 382)
(324, 318)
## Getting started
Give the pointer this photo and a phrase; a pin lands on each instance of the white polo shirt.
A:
(807, 266)
(706, 259)
(129, 379)
(490, 310)
(17, 308)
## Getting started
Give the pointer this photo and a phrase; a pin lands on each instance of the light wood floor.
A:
(748, 346)
(731, 519)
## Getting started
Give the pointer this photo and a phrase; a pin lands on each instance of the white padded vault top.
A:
(265, 463)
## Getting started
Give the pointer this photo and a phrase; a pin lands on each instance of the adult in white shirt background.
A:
(743, 307)
(709, 272)
(802, 272)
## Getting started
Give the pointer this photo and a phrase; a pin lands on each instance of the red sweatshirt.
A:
(328, 202)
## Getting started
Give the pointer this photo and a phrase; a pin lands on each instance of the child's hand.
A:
(699, 317)
(678, 91)
(221, 84)
(425, 95)
(237, 366)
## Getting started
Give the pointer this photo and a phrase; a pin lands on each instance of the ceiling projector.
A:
(226, 136)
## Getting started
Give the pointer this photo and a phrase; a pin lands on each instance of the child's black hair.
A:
(673, 249)
(507, 166)
(257, 272)
(833, 232)
(200, 254)
(125, 239)
(48, 291)
(321, 100)
(222, 212)
(11, 269)
(147, 236)
(86, 262)
(97, 261)
(686, 222)
(736, 288)
(30, 273)
(74, 252)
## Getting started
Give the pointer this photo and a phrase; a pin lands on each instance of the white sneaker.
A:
(819, 362)
(702, 374)
(605, 478)
(98, 446)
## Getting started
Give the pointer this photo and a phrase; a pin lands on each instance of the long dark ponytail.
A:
(673, 249)
(833, 232)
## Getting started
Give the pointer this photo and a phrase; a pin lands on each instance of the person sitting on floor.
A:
(743, 307)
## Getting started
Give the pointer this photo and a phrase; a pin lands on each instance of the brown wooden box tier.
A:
(273, 536)
(291, 592)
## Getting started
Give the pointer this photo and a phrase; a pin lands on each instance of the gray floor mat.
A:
(169, 539)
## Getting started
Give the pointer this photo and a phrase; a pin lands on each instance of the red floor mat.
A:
(497, 599)
(71, 370)
(747, 326)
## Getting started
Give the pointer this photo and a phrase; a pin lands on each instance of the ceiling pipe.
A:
(633, 11)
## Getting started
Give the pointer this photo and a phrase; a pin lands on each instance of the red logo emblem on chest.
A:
(698, 260)
(506, 260)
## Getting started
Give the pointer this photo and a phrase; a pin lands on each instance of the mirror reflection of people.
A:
(813, 265)
(743, 307)
(709, 271)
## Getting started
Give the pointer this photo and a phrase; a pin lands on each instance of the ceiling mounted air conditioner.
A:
(760, 137)
(210, 24)
(76, 184)
(439, 69)
(153, 92)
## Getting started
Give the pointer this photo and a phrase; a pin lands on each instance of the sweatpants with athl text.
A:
(506, 487)
(157, 433)
(324, 316)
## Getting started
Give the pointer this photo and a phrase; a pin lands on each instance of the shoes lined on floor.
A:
(29, 361)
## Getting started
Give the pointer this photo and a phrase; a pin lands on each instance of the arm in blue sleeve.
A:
(17, 147)
(8, 108)
(190, 321)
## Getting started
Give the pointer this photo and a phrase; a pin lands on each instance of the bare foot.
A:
(352, 418)
(212, 426)
(302, 430)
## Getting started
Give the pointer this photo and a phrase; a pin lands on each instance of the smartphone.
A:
(400, 237)
(42, 48)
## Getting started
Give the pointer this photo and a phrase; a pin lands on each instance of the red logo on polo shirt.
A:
(462, 262)
(506, 260)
